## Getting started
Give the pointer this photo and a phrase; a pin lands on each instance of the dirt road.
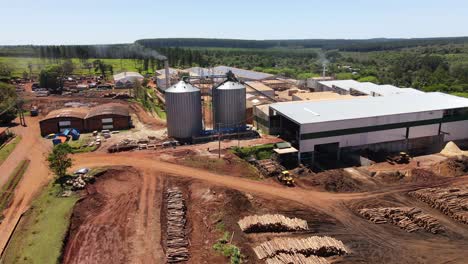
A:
(36, 176)
(387, 246)
(149, 161)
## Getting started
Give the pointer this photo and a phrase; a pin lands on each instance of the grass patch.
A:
(461, 94)
(153, 105)
(160, 112)
(20, 65)
(230, 166)
(227, 249)
(7, 192)
(260, 152)
(81, 145)
(39, 237)
(7, 149)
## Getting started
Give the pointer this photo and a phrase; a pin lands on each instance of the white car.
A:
(82, 171)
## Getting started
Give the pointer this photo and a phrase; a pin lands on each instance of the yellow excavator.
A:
(285, 178)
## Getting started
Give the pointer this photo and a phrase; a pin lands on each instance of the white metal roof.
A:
(128, 76)
(367, 87)
(241, 73)
(364, 107)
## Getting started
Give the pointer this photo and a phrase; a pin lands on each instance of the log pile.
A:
(408, 218)
(315, 245)
(176, 239)
(271, 223)
(451, 201)
(296, 259)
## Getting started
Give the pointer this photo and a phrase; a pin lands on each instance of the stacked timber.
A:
(315, 245)
(451, 201)
(408, 218)
(296, 259)
(271, 223)
(176, 239)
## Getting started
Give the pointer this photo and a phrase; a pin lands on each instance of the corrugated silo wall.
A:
(229, 108)
(184, 117)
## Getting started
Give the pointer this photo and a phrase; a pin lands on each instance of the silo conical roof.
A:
(230, 85)
(182, 87)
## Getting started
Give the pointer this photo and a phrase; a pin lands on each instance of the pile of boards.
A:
(296, 259)
(176, 239)
(452, 201)
(408, 218)
(314, 245)
(271, 223)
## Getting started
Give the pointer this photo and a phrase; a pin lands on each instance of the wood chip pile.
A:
(315, 245)
(296, 259)
(451, 201)
(177, 242)
(271, 223)
(408, 218)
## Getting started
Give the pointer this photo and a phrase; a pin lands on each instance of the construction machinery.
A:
(400, 158)
(285, 178)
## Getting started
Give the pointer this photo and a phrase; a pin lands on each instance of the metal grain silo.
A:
(229, 105)
(183, 108)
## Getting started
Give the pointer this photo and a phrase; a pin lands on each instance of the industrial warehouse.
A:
(111, 116)
(330, 128)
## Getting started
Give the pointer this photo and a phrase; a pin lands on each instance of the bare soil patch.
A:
(113, 223)
(333, 181)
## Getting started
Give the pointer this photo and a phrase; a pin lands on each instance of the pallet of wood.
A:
(176, 238)
(452, 201)
(271, 223)
(408, 218)
(283, 258)
(314, 245)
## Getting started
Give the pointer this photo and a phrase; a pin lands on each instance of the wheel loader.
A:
(285, 178)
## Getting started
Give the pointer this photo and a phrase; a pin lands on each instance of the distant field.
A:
(20, 65)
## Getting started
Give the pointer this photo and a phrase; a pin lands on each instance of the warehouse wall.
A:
(356, 139)
(119, 122)
(457, 130)
(50, 126)
(373, 137)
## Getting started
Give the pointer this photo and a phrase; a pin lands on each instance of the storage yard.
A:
(317, 177)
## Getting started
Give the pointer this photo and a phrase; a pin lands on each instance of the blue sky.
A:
(105, 21)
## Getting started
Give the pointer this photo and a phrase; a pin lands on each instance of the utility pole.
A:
(20, 114)
(238, 135)
(219, 140)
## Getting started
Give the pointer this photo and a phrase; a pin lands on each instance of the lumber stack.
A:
(176, 239)
(271, 223)
(451, 201)
(296, 259)
(408, 218)
(315, 245)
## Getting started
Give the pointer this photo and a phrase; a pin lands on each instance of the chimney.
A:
(166, 72)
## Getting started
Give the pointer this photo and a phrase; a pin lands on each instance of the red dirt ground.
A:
(146, 118)
(370, 243)
(118, 221)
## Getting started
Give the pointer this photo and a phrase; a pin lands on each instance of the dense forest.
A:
(364, 45)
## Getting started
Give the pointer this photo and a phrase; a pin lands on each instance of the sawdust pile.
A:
(451, 150)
